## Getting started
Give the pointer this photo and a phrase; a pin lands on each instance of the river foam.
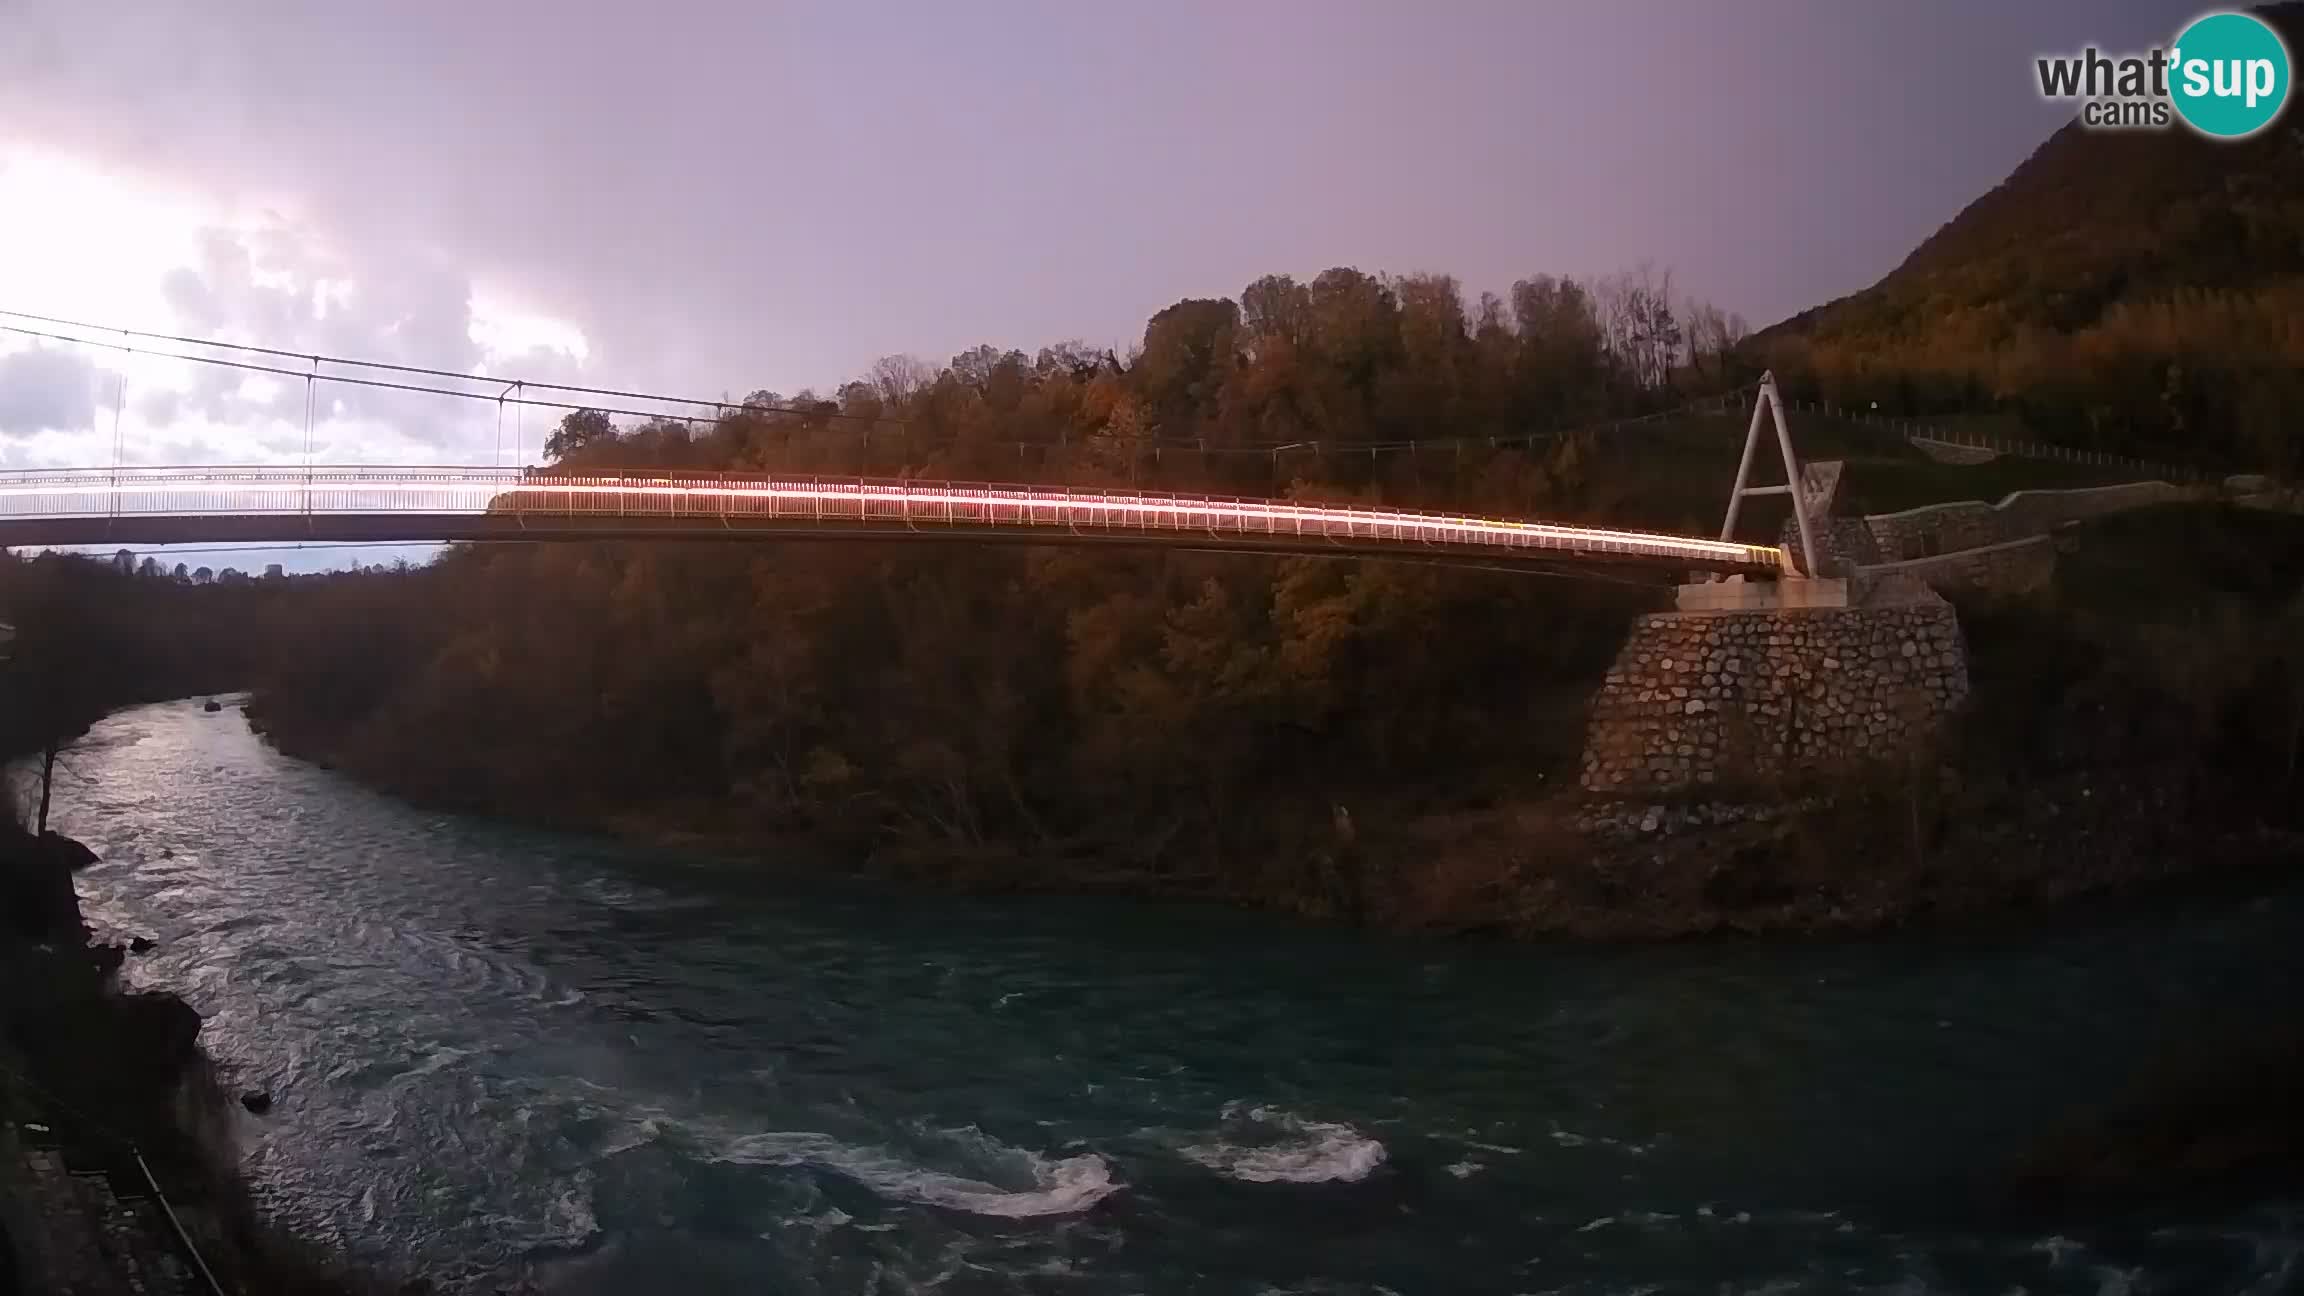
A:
(1058, 1186)
(1267, 1145)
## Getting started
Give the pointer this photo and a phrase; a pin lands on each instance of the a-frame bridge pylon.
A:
(1769, 406)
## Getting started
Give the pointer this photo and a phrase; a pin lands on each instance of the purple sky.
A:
(730, 195)
(718, 196)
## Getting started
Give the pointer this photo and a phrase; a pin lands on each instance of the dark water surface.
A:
(499, 1052)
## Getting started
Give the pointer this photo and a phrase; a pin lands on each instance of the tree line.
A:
(1346, 358)
(86, 636)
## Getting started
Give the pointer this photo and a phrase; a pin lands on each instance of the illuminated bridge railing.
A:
(510, 498)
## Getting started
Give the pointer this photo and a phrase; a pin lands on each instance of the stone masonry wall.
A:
(1939, 528)
(1841, 543)
(2017, 567)
(1901, 537)
(1699, 699)
(2045, 510)
(1943, 528)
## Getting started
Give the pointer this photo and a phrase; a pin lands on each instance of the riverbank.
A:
(1934, 848)
(118, 1170)
(1862, 863)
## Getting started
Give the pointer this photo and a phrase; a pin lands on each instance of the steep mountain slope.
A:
(2142, 291)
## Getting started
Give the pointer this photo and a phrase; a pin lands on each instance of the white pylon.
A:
(1770, 403)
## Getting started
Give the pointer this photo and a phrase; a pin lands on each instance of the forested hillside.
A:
(2132, 291)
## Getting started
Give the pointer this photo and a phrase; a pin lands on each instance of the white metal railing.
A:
(35, 494)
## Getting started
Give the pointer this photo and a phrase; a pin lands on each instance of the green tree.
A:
(579, 431)
(1188, 354)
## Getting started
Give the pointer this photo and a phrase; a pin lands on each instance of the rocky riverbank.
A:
(105, 1093)
(1721, 869)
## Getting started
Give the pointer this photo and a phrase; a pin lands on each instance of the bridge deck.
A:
(290, 505)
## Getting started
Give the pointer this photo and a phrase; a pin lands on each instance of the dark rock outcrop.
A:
(168, 1027)
(62, 851)
(37, 903)
(135, 1074)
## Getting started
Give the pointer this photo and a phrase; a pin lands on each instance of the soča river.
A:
(502, 1055)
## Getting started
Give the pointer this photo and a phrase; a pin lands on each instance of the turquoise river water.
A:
(502, 1055)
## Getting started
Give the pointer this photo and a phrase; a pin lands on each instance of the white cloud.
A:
(79, 243)
(508, 334)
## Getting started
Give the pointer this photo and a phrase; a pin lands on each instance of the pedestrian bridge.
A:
(159, 506)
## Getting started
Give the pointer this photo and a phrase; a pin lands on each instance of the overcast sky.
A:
(724, 195)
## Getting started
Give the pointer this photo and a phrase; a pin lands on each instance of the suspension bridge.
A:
(392, 504)
(188, 505)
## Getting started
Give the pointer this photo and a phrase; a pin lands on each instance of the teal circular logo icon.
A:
(2228, 75)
